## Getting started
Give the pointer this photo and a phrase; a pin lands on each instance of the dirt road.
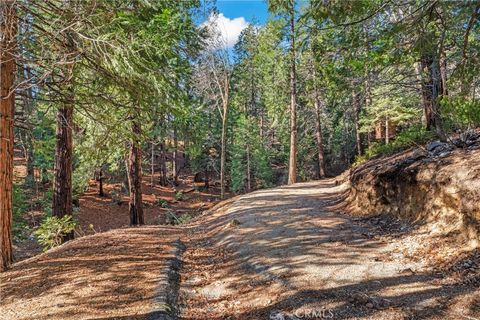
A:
(290, 253)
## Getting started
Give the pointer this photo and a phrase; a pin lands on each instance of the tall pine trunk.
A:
(27, 135)
(292, 164)
(443, 72)
(248, 173)
(318, 122)
(367, 87)
(175, 167)
(62, 181)
(253, 109)
(319, 138)
(62, 171)
(8, 30)
(30, 178)
(225, 93)
(152, 163)
(224, 152)
(134, 173)
(356, 114)
(163, 164)
(432, 92)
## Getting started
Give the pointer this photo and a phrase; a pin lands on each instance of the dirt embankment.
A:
(438, 187)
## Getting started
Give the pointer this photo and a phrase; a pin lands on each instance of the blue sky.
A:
(249, 9)
(236, 15)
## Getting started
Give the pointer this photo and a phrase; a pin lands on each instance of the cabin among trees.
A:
(385, 130)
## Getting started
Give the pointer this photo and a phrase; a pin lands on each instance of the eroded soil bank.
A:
(438, 188)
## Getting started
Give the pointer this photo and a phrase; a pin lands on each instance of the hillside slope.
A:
(120, 274)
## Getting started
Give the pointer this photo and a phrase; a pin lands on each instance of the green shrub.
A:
(412, 136)
(53, 229)
(172, 218)
(262, 169)
(460, 113)
(237, 168)
(80, 179)
(162, 203)
(179, 196)
(20, 227)
(45, 202)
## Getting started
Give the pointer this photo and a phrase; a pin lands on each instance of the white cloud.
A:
(228, 29)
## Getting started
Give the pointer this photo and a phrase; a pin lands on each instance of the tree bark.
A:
(356, 111)
(387, 129)
(163, 165)
(223, 153)
(223, 86)
(62, 171)
(432, 93)
(443, 73)
(100, 183)
(152, 163)
(134, 172)
(175, 168)
(253, 109)
(225, 89)
(29, 159)
(62, 182)
(319, 138)
(28, 137)
(292, 164)
(8, 31)
(318, 122)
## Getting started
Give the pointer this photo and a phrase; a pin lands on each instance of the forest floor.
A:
(99, 214)
(111, 275)
(284, 253)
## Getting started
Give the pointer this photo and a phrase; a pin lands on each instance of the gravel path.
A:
(290, 253)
